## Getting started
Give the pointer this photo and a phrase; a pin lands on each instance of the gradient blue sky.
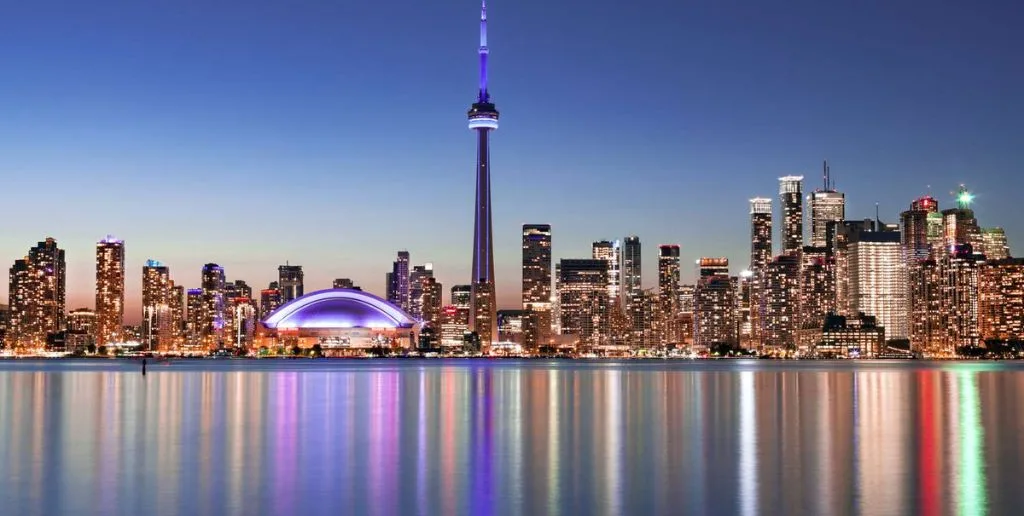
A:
(333, 133)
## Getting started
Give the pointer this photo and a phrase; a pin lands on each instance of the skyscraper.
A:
(827, 205)
(416, 277)
(632, 288)
(1001, 299)
(583, 301)
(610, 252)
(878, 280)
(483, 118)
(916, 229)
(959, 284)
(290, 281)
(212, 321)
(109, 290)
(431, 301)
(993, 244)
(791, 196)
(959, 226)
(668, 293)
(37, 296)
(195, 316)
(781, 302)
(715, 306)
(270, 299)
(760, 257)
(157, 325)
(537, 283)
(398, 281)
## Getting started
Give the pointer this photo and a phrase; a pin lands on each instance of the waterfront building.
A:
(1001, 299)
(398, 282)
(431, 300)
(849, 337)
(791, 197)
(511, 326)
(959, 284)
(240, 322)
(416, 277)
(877, 280)
(760, 257)
(924, 301)
(632, 289)
(483, 119)
(37, 296)
(211, 329)
(290, 281)
(454, 326)
(781, 304)
(109, 290)
(714, 310)
(195, 314)
(270, 299)
(817, 289)
(667, 320)
(537, 284)
(610, 252)
(157, 316)
(177, 305)
(583, 301)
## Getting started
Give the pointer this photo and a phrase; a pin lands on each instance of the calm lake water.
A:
(503, 437)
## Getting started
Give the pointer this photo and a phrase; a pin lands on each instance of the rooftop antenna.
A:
(826, 176)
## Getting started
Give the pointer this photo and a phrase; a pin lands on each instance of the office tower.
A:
(583, 301)
(512, 325)
(343, 283)
(959, 226)
(781, 302)
(195, 315)
(483, 118)
(916, 228)
(416, 277)
(959, 284)
(212, 325)
(760, 257)
(398, 281)
(1001, 299)
(109, 290)
(37, 296)
(877, 280)
(537, 284)
(994, 245)
(611, 253)
(157, 323)
(453, 327)
(461, 298)
(841, 235)
(791, 197)
(632, 289)
(270, 299)
(431, 301)
(668, 293)
(177, 305)
(237, 288)
(715, 306)
(239, 321)
(827, 205)
(289, 280)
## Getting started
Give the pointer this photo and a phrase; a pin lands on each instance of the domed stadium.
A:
(341, 319)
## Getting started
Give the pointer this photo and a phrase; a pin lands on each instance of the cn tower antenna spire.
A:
(484, 96)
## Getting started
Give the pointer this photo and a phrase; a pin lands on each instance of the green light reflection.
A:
(973, 497)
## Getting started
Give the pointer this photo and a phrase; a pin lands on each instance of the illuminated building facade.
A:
(1001, 299)
(537, 283)
(195, 314)
(157, 316)
(177, 304)
(240, 322)
(37, 296)
(483, 118)
(715, 306)
(993, 244)
(290, 281)
(632, 289)
(610, 252)
(398, 282)
(667, 324)
(270, 299)
(416, 277)
(817, 289)
(791, 197)
(926, 320)
(827, 205)
(343, 283)
(511, 325)
(918, 228)
(959, 283)
(212, 321)
(959, 226)
(583, 301)
(781, 304)
(109, 290)
(454, 325)
(850, 337)
(878, 280)
(431, 300)
(760, 257)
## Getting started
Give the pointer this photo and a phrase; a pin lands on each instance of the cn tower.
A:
(483, 118)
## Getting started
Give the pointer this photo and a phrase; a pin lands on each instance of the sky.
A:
(331, 134)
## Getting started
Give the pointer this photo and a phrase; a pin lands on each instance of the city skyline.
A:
(680, 181)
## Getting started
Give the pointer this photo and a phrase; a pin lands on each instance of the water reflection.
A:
(511, 438)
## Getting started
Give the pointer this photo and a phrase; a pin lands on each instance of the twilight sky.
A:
(333, 133)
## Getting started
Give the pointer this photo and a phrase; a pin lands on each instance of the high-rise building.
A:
(849, 337)
(237, 288)
(289, 280)
(877, 280)
(512, 325)
(239, 321)
(157, 317)
(791, 197)
(483, 118)
(959, 284)
(109, 290)
(632, 289)
(416, 277)
(37, 296)
(177, 304)
(745, 310)
(924, 300)
(431, 301)
(537, 284)
(82, 320)
(827, 205)
(668, 294)
(456, 317)
(610, 252)
(817, 290)
(715, 306)
(959, 226)
(993, 244)
(212, 325)
(916, 228)
(1001, 300)
(343, 283)
(583, 301)
(398, 281)
(781, 302)
(270, 299)
(841, 235)
(760, 257)
(195, 316)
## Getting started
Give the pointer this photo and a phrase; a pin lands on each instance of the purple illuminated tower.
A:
(483, 118)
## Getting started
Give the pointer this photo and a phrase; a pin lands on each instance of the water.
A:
(473, 437)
